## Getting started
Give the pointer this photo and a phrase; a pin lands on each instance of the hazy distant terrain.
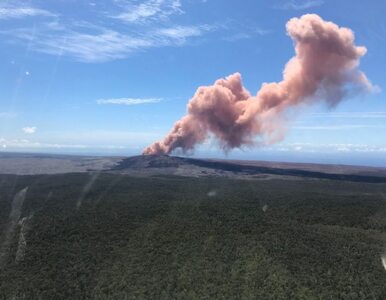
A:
(138, 230)
(33, 164)
(148, 165)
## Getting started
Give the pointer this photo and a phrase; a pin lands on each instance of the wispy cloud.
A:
(27, 144)
(261, 31)
(129, 101)
(148, 24)
(151, 10)
(6, 115)
(82, 139)
(300, 5)
(29, 129)
(350, 115)
(327, 148)
(247, 34)
(99, 44)
(8, 11)
(181, 33)
(339, 127)
(86, 47)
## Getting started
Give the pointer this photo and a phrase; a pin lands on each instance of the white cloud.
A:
(29, 129)
(300, 5)
(129, 101)
(151, 10)
(17, 11)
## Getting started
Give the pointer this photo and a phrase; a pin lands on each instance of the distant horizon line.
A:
(245, 159)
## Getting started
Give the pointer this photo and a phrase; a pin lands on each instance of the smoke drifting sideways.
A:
(324, 69)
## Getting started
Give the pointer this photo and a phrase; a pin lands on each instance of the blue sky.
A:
(110, 77)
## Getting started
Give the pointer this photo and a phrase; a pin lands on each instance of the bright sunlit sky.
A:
(112, 76)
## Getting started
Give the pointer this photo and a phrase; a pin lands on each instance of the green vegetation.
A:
(167, 238)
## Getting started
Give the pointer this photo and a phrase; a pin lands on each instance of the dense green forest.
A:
(108, 236)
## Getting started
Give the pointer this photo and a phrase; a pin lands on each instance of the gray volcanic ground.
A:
(150, 165)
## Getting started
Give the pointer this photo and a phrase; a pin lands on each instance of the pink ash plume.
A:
(324, 69)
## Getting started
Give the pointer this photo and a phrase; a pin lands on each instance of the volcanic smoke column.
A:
(324, 69)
